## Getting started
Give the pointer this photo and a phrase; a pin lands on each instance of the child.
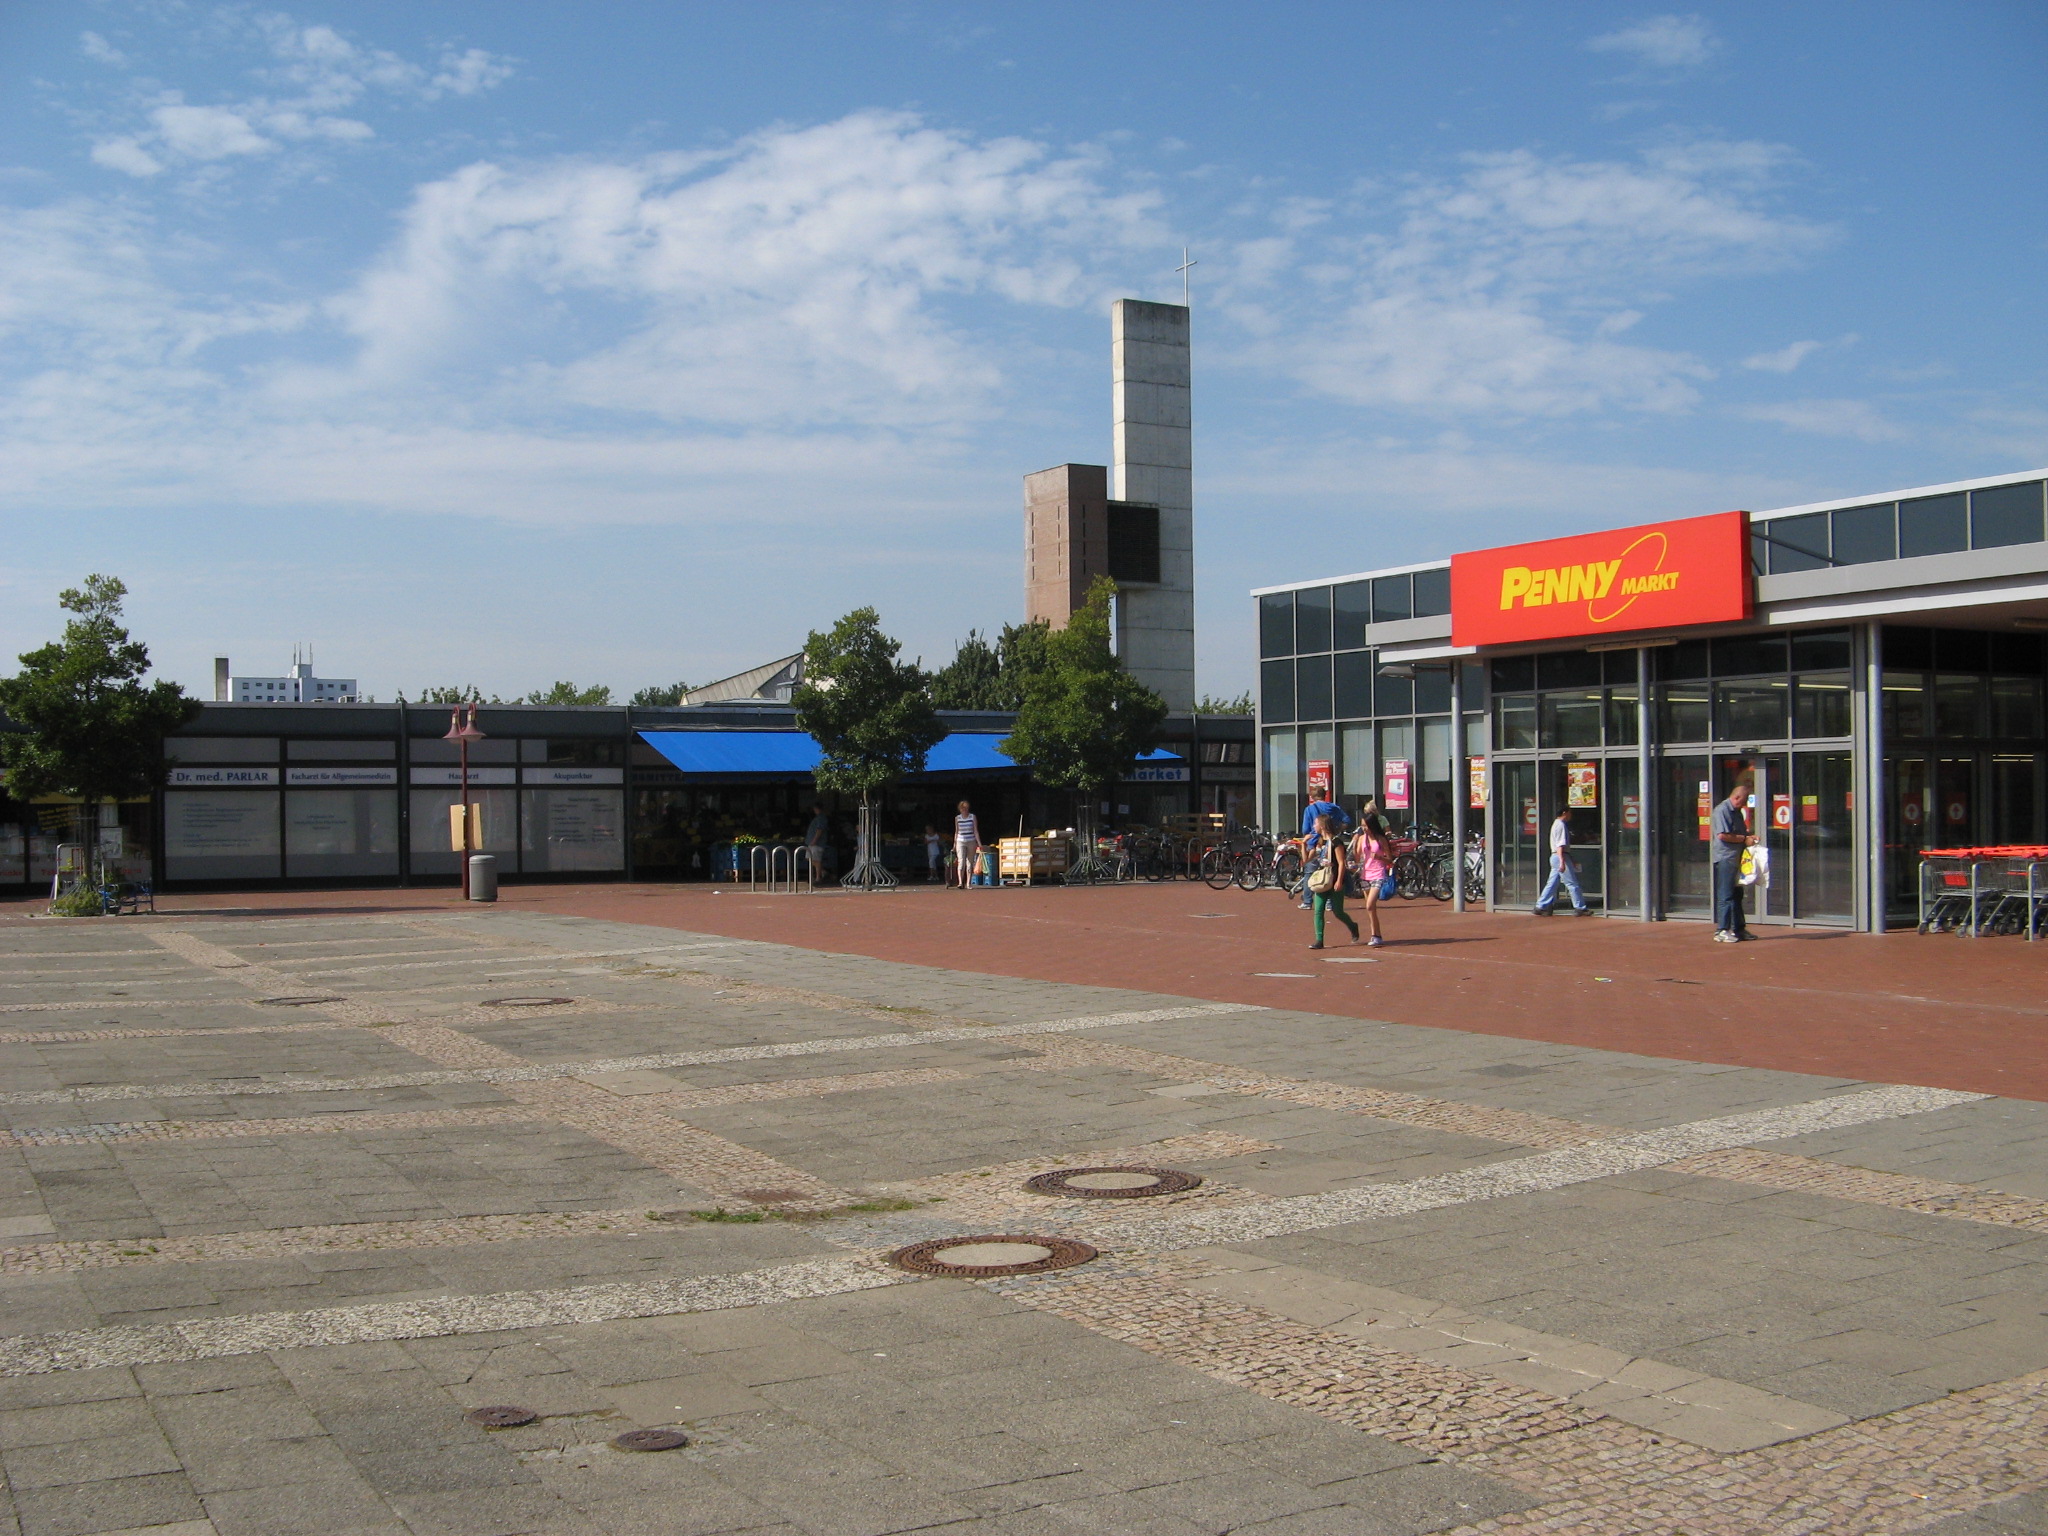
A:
(934, 854)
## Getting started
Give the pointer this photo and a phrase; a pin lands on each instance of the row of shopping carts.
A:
(1985, 891)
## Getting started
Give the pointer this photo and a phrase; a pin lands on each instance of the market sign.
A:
(1655, 576)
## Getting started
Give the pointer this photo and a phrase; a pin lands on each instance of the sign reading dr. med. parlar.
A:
(1656, 576)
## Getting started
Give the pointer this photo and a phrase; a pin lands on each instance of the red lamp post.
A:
(464, 732)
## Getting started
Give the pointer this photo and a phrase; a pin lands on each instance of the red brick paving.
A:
(1941, 1010)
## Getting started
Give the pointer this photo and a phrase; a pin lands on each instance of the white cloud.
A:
(1665, 42)
(1784, 360)
(100, 51)
(1507, 289)
(1857, 419)
(314, 72)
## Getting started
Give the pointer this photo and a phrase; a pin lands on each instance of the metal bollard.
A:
(483, 877)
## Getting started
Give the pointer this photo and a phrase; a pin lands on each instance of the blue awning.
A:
(795, 753)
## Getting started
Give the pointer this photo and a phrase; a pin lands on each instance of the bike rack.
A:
(777, 871)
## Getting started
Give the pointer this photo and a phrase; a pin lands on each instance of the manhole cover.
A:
(983, 1258)
(526, 1002)
(503, 1416)
(293, 1002)
(651, 1440)
(1120, 1183)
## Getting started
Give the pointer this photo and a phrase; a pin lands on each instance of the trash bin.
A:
(483, 877)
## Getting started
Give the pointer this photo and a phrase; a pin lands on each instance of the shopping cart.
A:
(1985, 891)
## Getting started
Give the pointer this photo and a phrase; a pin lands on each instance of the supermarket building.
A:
(1872, 667)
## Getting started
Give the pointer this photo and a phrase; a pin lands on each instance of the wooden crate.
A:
(1026, 859)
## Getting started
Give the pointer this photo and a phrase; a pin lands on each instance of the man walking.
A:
(1731, 836)
(1311, 835)
(967, 843)
(1563, 870)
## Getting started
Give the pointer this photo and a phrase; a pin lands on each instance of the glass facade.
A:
(1995, 517)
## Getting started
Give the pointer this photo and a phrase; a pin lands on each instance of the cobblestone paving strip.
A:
(68, 1036)
(342, 1124)
(1869, 1186)
(656, 1062)
(801, 1088)
(1508, 1125)
(380, 1322)
(1526, 1175)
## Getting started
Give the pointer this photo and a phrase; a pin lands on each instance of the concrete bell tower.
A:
(1135, 523)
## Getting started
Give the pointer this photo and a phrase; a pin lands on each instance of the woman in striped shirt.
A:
(966, 843)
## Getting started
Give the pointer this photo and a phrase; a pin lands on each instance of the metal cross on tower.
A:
(1185, 262)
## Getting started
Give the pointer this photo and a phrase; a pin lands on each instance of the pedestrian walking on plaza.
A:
(1311, 814)
(1375, 856)
(818, 843)
(1564, 870)
(934, 854)
(1325, 883)
(1731, 836)
(967, 843)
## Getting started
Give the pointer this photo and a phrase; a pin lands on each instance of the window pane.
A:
(569, 829)
(220, 834)
(1283, 782)
(1352, 695)
(1276, 624)
(2017, 654)
(1515, 717)
(220, 749)
(1276, 690)
(1357, 773)
(2016, 707)
(433, 852)
(1863, 534)
(1311, 620)
(1821, 704)
(1351, 611)
(1934, 525)
(337, 833)
(1740, 655)
(2005, 514)
(1432, 592)
(1961, 707)
(1752, 711)
(342, 751)
(1797, 543)
(1962, 650)
(1312, 688)
(1568, 669)
(1824, 650)
(1569, 719)
(1908, 646)
(1432, 690)
(1390, 599)
(1687, 659)
(1905, 706)
(1392, 695)
(1621, 717)
(1682, 712)
(1513, 674)
(437, 749)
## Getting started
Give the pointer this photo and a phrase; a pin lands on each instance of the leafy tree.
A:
(1210, 705)
(985, 676)
(569, 693)
(467, 694)
(659, 695)
(1085, 720)
(871, 715)
(91, 728)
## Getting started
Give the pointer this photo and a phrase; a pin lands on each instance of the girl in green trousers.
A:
(1330, 875)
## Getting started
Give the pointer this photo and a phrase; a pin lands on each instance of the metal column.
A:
(1645, 861)
(1871, 780)
(1461, 780)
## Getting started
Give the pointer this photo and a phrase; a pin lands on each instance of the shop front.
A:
(1870, 671)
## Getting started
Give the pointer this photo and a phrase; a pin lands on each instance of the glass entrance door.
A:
(1622, 813)
(1574, 786)
(1518, 834)
(1824, 836)
(1769, 900)
(1685, 813)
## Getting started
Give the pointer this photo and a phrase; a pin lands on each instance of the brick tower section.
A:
(1066, 538)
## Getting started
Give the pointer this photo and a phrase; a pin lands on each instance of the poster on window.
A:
(1582, 786)
(1395, 781)
(1476, 777)
(575, 829)
(1318, 779)
(220, 835)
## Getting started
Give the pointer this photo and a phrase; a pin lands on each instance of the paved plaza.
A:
(290, 1196)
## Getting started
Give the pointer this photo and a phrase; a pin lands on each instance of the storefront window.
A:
(1391, 599)
(340, 833)
(1751, 710)
(1960, 707)
(1621, 717)
(1934, 525)
(1311, 620)
(1350, 612)
(2016, 707)
(433, 851)
(1283, 781)
(1682, 712)
(1276, 624)
(1569, 718)
(1821, 704)
(1276, 690)
(1515, 714)
(572, 829)
(1864, 534)
(1357, 771)
(2005, 514)
(1352, 686)
(1905, 706)
(221, 834)
(1312, 688)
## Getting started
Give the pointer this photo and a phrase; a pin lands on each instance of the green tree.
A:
(658, 695)
(1085, 720)
(469, 693)
(1210, 705)
(91, 728)
(871, 716)
(985, 676)
(569, 693)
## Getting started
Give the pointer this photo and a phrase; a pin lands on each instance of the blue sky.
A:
(625, 342)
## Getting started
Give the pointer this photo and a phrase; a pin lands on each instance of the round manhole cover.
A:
(983, 1258)
(294, 1002)
(651, 1440)
(1121, 1183)
(503, 1416)
(526, 1002)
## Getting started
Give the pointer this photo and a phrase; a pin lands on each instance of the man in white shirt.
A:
(1563, 871)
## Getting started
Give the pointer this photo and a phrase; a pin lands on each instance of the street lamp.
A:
(464, 731)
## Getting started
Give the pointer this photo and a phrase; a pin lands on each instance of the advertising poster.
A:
(1396, 783)
(1318, 779)
(1582, 786)
(1476, 775)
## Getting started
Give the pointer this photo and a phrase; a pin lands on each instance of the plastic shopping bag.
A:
(1756, 866)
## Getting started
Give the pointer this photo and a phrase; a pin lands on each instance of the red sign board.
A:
(1656, 576)
(1318, 779)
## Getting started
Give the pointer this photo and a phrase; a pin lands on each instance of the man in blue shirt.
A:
(1731, 836)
